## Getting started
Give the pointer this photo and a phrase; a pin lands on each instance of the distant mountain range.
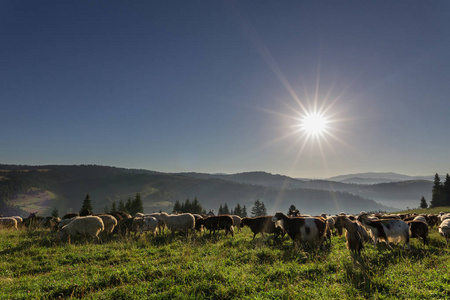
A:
(43, 188)
(374, 178)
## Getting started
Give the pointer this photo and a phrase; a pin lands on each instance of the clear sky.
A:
(222, 86)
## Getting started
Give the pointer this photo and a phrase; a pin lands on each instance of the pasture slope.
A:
(34, 265)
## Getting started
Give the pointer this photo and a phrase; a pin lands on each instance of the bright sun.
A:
(314, 124)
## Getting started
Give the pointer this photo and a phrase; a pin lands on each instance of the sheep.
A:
(182, 222)
(151, 224)
(421, 218)
(389, 230)
(432, 220)
(418, 229)
(138, 225)
(214, 223)
(309, 230)
(444, 217)
(109, 222)
(354, 234)
(8, 222)
(237, 222)
(19, 220)
(70, 216)
(444, 230)
(64, 222)
(161, 225)
(124, 226)
(88, 225)
(263, 224)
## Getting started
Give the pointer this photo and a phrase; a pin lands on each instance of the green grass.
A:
(34, 265)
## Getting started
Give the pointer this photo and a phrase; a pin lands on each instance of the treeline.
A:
(194, 207)
(441, 192)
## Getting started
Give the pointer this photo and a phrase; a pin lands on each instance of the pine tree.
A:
(244, 212)
(136, 205)
(437, 194)
(226, 210)
(263, 210)
(220, 212)
(114, 207)
(128, 205)
(177, 206)
(87, 205)
(55, 213)
(258, 209)
(446, 191)
(122, 206)
(238, 211)
(423, 203)
(197, 207)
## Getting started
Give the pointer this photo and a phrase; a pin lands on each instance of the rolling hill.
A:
(159, 191)
(400, 194)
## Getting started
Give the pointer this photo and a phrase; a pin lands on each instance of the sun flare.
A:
(314, 124)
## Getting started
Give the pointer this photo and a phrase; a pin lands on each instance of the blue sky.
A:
(220, 86)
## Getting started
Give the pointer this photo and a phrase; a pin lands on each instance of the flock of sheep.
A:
(307, 231)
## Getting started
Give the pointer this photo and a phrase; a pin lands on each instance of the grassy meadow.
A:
(35, 265)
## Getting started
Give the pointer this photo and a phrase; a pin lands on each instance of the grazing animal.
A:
(19, 221)
(50, 222)
(161, 225)
(64, 222)
(388, 230)
(216, 223)
(124, 226)
(85, 226)
(237, 222)
(151, 225)
(418, 229)
(70, 216)
(354, 234)
(444, 229)
(182, 222)
(109, 223)
(263, 224)
(8, 222)
(421, 218)
(309, 230)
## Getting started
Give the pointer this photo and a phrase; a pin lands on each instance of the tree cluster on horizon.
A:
(440, 195)
(193, 207)
(132, 206)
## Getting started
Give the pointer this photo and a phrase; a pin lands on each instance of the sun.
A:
(314, 124)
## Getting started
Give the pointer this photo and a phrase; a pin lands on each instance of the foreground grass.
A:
(34, 265)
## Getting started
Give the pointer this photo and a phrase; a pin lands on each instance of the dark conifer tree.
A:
(87, 205)
(437, 194)
(446, 191)
(423, 203)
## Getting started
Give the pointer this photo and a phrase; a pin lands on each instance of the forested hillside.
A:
(65, 187)
(397, 194)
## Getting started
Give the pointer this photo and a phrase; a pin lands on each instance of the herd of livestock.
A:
(304, 230)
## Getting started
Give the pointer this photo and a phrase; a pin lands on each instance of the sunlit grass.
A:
(34, 265)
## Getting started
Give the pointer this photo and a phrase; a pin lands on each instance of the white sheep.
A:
(64, 222)
(421, 218)
(237, 222)
(151, 224)
(109, 222)
(444, 229)
(8, 222)
(182, 222)
(19, 220)
(389, 230)
(88, 225)
(161, 225)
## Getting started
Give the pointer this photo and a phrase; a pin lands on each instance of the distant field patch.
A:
(34, 200)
